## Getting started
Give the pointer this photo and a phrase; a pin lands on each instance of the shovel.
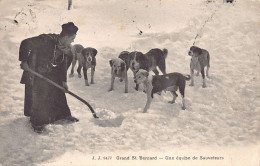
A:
(63, 89)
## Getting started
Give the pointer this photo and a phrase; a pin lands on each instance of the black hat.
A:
(69, 29)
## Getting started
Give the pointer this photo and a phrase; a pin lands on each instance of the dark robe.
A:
(48, 103)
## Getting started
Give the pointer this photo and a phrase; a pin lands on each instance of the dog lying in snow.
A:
(199, 60)
(86, 58)
(168, 82)
(119, 68)
(149, 61)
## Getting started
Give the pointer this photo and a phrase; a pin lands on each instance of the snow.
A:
(220, 120)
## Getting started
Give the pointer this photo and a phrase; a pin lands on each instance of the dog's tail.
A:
(165, 53)
(187, 77)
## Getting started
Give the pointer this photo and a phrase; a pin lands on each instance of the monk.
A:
(49, 55)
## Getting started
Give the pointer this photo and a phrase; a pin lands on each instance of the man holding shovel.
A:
(48, 55)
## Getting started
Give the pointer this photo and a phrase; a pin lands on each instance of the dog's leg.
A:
(182, 89)
(79, 70)
(162, 66)
(156, 72)
(136, 85)
(149, 100)
(208, 65)
(174, 96)
(73, 61)
(92, 75)
(183, 102)
(85, 75)
(207, 72)
(72, 68)
(112, 81)
(126, 82)
(203, 76)
(192, 77)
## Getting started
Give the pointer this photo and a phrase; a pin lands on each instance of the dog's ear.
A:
(111, 63)
(122, 65)
(95, 51)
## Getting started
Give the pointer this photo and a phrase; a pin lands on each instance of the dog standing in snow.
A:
(168, 82)
(76, 52)
(199, 60)
(86, 58)
(119, 68)
(149, 61)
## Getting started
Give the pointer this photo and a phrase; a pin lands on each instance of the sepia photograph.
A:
(130, 83)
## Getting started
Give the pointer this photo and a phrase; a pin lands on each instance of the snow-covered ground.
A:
(220, 120)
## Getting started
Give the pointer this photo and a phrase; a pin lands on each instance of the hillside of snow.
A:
(220, 120)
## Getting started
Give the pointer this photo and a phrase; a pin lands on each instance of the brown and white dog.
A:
(199, 60)
(149, 61)
(86, 58)
(168, 82)
(119, 68)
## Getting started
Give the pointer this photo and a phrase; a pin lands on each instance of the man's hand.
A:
(65, 86)
(24, 65)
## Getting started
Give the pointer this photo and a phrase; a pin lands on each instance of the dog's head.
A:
(141, 76)
(118, 66)
(138, 60)
(195, 51)
(89, 55)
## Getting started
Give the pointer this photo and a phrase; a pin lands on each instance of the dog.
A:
(119, 68)
(76, 53)
(168, 82)
(149, 61)
(199, 60)
(86, 58)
